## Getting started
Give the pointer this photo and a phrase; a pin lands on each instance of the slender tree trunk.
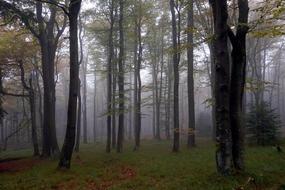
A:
(94, 111)
(32, 103)
(1, 107)
(130, 132)
(109, 79)
(121, 79)
(176, 50)
(190, 77)
(69, 140)
(153, 104)
(136, 84)
(33, 119)
(169, 99)
(114, 105)
(139, 88)
(78, 124)
(212, 80)
(84, 111)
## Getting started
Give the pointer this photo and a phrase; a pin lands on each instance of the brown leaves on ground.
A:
(16, 165)
(71, 184)
(113, 176)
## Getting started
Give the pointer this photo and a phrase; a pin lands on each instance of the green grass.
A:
(153, 167)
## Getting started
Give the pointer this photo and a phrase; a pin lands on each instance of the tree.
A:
(176, 60)
(67, 149)
(16, 50)
(32, 101)
(190, 77)
(229, 86)
(237, 83)
(137, 77)
(109, 77)
(222, 79)
(121, 78)
(262, 124)
(48, 36)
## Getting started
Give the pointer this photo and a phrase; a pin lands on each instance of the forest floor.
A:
(153, 167)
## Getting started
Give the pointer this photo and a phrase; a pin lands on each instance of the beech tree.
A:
(67, 149)
(48, 36)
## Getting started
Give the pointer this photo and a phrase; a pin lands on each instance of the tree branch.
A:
(25, 16)
(59, 5)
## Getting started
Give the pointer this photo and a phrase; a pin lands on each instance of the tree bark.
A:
(139, 83)
(190, 77)
(238, 75)
(78, 124)
(222, 82)
(121, 79)
(33, 119)
(67, 149)
(176, 137)
(32, 103)
(109, 79)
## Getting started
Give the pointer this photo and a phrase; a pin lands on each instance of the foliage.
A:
(262, 124)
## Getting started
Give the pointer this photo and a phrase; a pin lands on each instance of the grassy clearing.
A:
(153, 167)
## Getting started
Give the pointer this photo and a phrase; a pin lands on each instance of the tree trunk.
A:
(139, 83)
(136, 83)
(121, 79)
(50, 145)
(32, 103)
(67, 149)
(176, 137)
(33, 119)
(109, 79)
(84, 111)
(222, 81)
(1, 108)
(238, 75)
(190, 77)
(94, 111)
(78, 124)
(114, 105)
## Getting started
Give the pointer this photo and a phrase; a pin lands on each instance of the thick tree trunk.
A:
(222, 82)
(67, 149)
(190, 77)
(238, 76)
(121, 79)
(50, 145)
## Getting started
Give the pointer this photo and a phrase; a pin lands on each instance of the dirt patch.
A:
(16, 165)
